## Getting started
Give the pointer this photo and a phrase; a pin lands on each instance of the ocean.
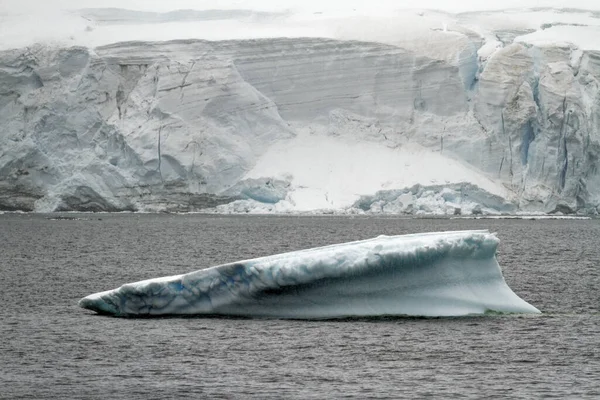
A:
(52, 349)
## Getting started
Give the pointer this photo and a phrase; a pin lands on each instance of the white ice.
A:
(465, 106)
(405, 23)
(431, 274)
(581, 37)
(331, 173)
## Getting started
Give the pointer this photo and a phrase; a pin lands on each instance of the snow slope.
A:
(282, 109)
(321, 181)
(436, 274)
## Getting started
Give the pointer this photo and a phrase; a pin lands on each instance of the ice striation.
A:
(249, 121)
(430, 274)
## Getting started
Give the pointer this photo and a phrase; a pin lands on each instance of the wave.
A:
(429, 274)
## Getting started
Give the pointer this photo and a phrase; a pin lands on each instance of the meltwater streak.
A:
(430, 274)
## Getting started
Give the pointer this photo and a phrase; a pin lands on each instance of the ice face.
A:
(431, 274)
(327, 108)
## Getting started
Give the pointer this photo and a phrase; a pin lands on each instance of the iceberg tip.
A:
(97, 302)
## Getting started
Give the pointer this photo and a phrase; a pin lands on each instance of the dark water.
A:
(51, 349)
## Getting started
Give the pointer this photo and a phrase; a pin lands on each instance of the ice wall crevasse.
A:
(434, 274)
(542, 111)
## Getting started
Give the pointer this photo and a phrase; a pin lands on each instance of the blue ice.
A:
(429, 274)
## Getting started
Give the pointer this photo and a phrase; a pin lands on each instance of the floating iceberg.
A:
(430, 274)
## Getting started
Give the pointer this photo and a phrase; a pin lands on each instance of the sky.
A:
(41, 6)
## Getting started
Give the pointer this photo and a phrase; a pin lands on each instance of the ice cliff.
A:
(432, 274)
(369, 117)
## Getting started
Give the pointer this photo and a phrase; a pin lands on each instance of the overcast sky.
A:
(36, 6)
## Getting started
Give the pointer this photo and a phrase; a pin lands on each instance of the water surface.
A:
(52, 349)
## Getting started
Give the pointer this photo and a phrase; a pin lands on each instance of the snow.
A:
(360, 104)
(520, 19)
(78, 28)
(581, 37)
(407, 23)
(375, 6)
(333, 172)
(430, 274)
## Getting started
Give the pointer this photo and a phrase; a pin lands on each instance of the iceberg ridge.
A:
(430, 274)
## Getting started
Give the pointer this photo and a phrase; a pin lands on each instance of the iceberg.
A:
(428, 274)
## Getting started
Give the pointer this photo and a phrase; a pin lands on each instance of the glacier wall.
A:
(181, 125)
(431, 274)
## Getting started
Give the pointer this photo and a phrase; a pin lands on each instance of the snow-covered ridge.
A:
(434, 274)
(288, 124)
(117, 16)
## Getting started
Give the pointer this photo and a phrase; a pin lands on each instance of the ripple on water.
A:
(52, 349)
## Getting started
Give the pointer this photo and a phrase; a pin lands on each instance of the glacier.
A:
(429, 274)
(405, 112)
